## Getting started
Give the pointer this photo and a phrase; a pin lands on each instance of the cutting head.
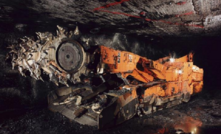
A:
(70, 56)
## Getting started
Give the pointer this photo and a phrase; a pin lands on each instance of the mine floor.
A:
(201, 115)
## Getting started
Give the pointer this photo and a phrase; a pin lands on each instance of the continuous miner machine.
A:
(104, 87)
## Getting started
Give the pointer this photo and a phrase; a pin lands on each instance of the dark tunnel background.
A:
(20, 95)
(23, 100)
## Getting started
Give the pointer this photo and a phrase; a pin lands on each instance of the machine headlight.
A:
(172, 59)
(180, 71)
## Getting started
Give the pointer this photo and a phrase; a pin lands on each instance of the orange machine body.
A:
(105, 87)
(179, 75)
